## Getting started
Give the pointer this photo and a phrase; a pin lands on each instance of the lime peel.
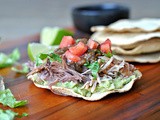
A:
(53, 36)
(34, 49)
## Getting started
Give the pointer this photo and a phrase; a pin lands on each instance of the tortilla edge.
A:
(95, 96)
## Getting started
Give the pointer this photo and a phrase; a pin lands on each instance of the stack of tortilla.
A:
(132, 40)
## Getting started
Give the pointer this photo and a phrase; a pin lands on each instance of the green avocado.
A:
(104, 86)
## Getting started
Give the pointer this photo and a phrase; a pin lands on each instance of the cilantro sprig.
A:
(10, 115)
(109, 54)
(7, 99)
(10, 59)
(51, 56)
(94, 67)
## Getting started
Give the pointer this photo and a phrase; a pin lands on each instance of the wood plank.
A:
(141, 102)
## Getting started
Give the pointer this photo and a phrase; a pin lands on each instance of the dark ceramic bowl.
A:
(104, 14)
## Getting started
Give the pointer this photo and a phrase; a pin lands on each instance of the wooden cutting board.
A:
(141, 102)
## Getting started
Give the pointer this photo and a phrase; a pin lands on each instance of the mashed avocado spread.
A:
(106, 85)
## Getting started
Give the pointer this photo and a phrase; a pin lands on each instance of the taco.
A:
(84, 69)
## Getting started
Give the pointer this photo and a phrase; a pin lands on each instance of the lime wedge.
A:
(53, 36)
(35, 49)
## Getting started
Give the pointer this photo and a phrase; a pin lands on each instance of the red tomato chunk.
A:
(71, 56)
(78, 49)
(92, 44)
(106, 46)
(66, 41)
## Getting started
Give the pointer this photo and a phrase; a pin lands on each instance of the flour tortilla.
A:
(143, 58)
(133, 26)
(125, 40)
(94, 96)
(139, 48)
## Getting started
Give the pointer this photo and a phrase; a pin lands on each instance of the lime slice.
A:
(53, 36)
(35, 49)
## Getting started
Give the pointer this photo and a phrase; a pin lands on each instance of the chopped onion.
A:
(94, 86)
(107, 64)
(116, 68)
(98, 79)
(87, 71)
(85, 85)
(91, 82)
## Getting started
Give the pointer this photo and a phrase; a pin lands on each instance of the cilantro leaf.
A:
(109, 54)
(43, 56)
(10, 115)
(94, 67)
(22, 115)
(55, 57)
(8, 60)
(7, 114)
(51, 56)
(39, 61)
(7, 99)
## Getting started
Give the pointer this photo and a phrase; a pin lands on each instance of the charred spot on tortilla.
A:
(84, 71)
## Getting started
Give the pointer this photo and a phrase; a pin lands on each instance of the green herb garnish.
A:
(22, 115)
(109, 54)
(7, 114)
(10, 115)
(55, 57)
(8, 60)
(94, 67)
(38, 61)
(52, 57)
(7, 99)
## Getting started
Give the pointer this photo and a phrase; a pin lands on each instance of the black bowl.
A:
(104, 14)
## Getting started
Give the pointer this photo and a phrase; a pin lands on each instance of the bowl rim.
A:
(103, 8)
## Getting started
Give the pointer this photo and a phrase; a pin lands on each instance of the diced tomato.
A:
(66, 41)
(71, 56)
(106, 46)
(78, 49)
(92, 44)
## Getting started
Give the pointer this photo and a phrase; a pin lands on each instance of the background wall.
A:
(20, 18)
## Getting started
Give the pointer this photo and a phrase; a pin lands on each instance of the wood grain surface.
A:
(141, 102)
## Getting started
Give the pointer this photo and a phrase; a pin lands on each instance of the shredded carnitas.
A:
(54, 72)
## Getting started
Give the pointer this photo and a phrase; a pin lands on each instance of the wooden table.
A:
(141, 102)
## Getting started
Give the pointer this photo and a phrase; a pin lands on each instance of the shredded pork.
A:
(54, 72)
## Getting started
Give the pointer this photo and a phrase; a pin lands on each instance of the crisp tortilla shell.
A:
(95, 96)
(126, 40)
(131, 26)
(142, 58)
(139, 48)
